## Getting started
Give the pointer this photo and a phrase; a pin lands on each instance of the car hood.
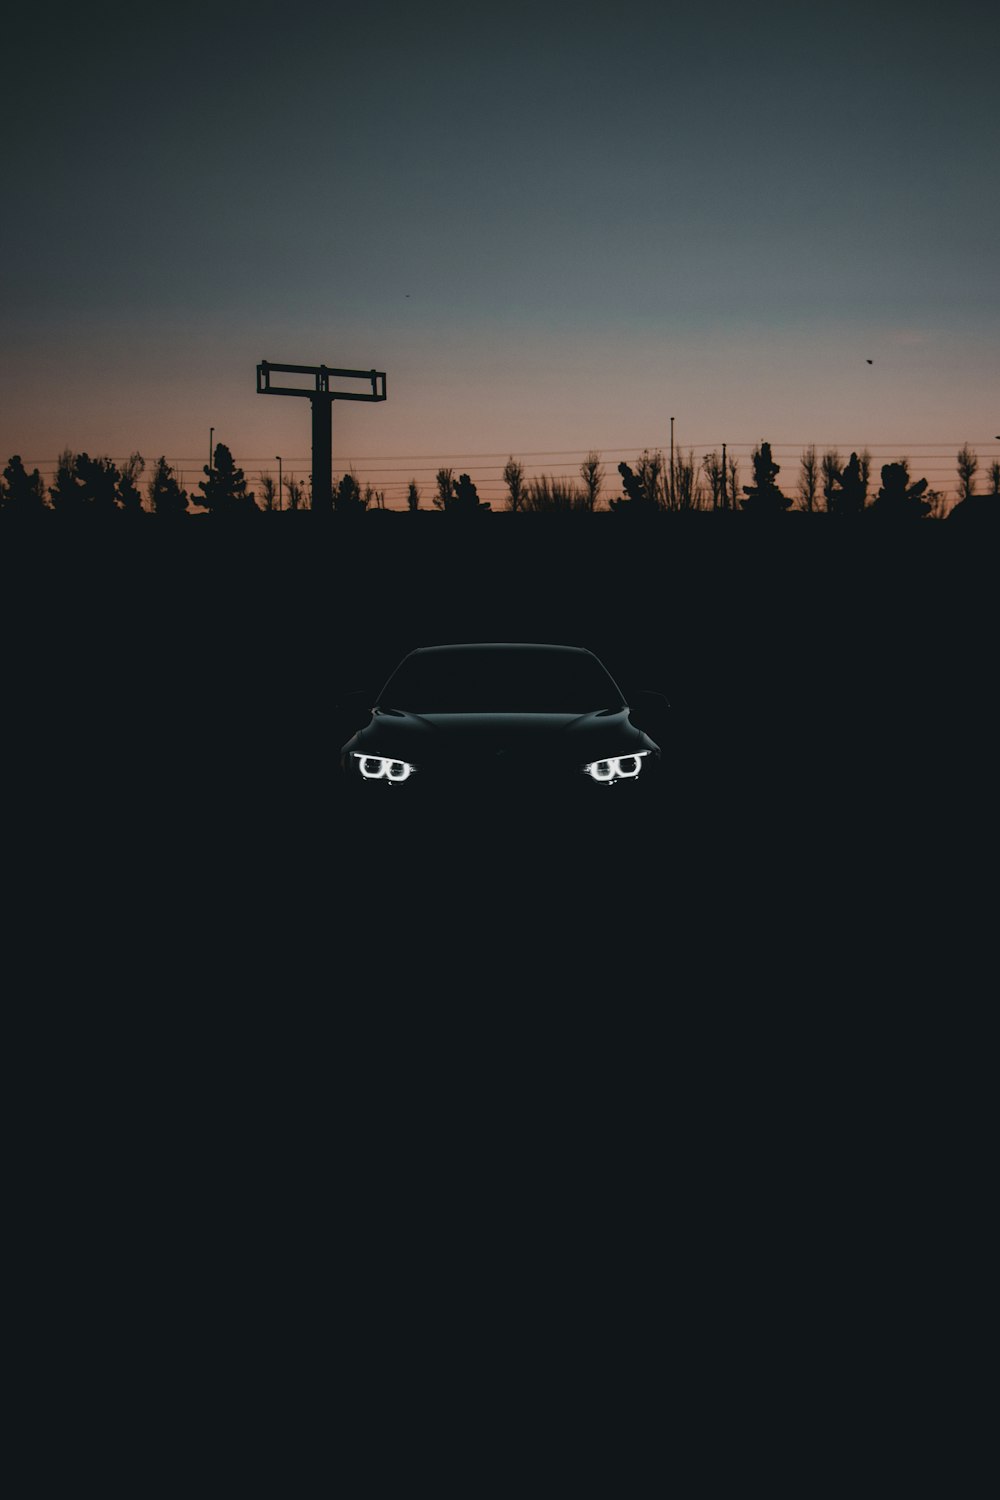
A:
(422, 737)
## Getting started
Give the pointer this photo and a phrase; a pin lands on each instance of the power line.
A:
(942, 445)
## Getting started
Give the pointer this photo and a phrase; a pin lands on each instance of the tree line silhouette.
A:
(825, 483)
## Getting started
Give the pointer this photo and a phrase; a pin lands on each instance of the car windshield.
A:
(500, 679)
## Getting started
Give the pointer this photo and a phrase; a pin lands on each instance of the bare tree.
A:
(268, 490)
(711, 467)
(412, 496)
(651, 472)
(686, 490)
(830, 466)
(808, 478)
(551, 492)
(373, 497)
(592, 474)
(444, 479)
(513, 478)
(295, 490)
(733, 465)
(967, 462)
(995, 477)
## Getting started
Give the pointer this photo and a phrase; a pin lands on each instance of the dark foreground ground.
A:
(171, 697)
(173, 742)
(690, 1098)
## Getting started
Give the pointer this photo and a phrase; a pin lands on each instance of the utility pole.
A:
(321, 398)
(278, 457)
(725, 506)
(671, 463)
(211, 448)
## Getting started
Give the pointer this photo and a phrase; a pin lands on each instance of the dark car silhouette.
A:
(496, 717)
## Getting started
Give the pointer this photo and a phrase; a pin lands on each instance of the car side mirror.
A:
(350, 712)
(649, 710)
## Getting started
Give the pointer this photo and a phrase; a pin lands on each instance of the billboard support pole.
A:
(321, 399)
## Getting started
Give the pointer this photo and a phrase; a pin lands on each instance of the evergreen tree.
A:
(24, 494)
(635, 497)
(763, 497)
(412, 496)
(348, 499)
(129, 498)
(66, 493)
(224, 489)
(465, 499)
(898, 497)
(165, 494)
(847, 498)
(98, 481)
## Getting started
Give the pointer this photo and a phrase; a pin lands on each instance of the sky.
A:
(554, 226)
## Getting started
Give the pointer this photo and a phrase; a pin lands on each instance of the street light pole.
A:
(278, 457)
(211, 447)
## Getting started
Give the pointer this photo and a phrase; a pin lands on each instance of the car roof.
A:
(502, 646)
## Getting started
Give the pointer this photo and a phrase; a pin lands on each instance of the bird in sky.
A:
(868, 361)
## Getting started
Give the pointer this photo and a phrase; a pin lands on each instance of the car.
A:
(497, 717)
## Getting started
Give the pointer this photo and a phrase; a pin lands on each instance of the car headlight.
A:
(616, 767)
(380, 768)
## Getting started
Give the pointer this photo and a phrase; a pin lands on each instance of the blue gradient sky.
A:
(555, 226)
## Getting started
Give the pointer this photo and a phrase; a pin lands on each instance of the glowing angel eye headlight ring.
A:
(616, 767)
(378, 768)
